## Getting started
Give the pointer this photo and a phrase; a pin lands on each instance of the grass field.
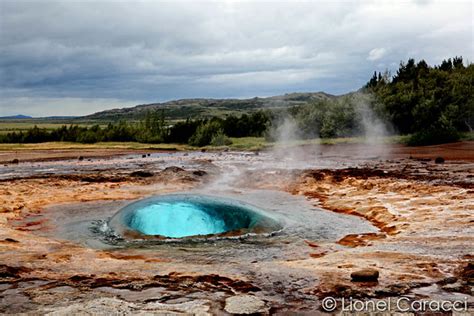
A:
(244, 143)
(17, 126)
(101, 145)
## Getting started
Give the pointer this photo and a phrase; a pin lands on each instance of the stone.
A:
(80, 158)
(453, 287)
(15, 161)
(365, 275)
(244, 304)
(439, 160)
(141, 174)
(173, 169)
(448, 280)
(468, 273)
(199, 173)
(11, 240)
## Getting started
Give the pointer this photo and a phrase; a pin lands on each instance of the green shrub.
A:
(440, 132)
(432, 137)
(220, 139)
(88, 137)
(204, 133)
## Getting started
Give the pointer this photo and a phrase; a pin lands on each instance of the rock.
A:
(468, 273)
(365, 275)
(455, 287)
(199, 173)
(439, 160)
(244, 304)
(448, 280)
(15, 161)
(173, 169)
(11, 240)
(80, 158)
(143, 156)
(12, 272)
(141, 174)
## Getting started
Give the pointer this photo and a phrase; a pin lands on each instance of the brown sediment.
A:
(356, 240)
(390, 203)
(459, 151)
(407, 209)
(415, 204)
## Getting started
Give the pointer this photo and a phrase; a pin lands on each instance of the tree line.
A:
(433, 103)
(153, 128)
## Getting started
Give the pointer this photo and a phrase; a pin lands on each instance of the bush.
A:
(433, 136)
(440, 132)
(205, 133)
(88, 137)
(220, 139)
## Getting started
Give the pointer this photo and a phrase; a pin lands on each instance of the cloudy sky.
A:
(78, 57)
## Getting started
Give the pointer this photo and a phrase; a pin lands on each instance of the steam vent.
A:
(186, 215)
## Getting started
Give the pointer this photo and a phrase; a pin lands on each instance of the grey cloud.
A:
(156, 50)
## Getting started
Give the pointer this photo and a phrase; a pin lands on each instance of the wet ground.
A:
(390, 209)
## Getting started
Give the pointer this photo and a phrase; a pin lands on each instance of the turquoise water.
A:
(184, 215)
(176, 220)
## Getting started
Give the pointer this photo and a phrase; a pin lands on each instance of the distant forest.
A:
(432, 104)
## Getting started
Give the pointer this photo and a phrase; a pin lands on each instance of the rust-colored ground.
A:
(424, 212)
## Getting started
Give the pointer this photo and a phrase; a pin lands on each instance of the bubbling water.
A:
(186, 215)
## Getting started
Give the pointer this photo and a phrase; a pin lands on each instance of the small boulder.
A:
(365, 275)
(173, 169)
(141, 174)
(244, 304)
(15, 161)
(468, 273)
(80, 158)
(144, 156)
(11, 240)
(199, 173)
(439, 160)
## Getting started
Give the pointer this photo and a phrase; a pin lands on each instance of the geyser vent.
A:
(186, 215)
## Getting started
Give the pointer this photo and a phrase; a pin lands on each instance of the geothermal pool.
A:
(190, 215)
(244, 227)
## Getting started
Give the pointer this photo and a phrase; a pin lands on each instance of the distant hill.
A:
(182, 109)
(15, 117)
(59, 117)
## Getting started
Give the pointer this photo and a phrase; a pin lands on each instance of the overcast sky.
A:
(79, 57)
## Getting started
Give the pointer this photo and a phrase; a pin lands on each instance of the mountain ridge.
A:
(208, 107)
(15, 117)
